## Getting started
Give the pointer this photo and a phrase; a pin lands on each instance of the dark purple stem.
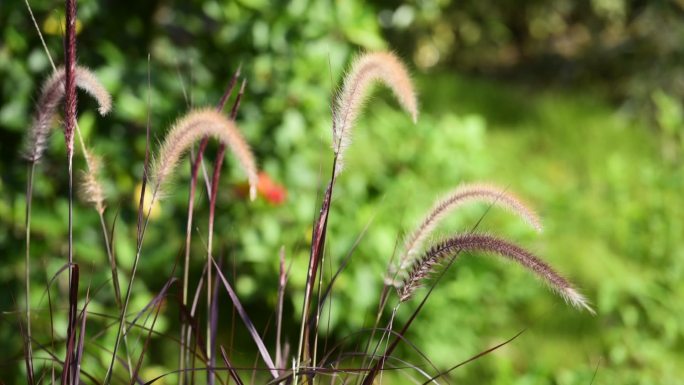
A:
(70, 67)
(194, 172)
(212, 210)
(69, 126)
(70, 358)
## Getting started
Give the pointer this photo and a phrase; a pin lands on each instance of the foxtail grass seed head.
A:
(91, 188)
(50, 98)
(368, 68)
(441, 251)
(70, 86)
(468, 193)
(194, 126)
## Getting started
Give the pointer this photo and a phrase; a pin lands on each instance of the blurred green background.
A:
(574, 105)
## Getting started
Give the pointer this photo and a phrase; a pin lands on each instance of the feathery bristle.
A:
(48, 103)
(486, 243)
(462, 195)
(91, 189)
(368, 68)
(88, 82)
(194, 126)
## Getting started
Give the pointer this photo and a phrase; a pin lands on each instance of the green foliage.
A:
(611, 206)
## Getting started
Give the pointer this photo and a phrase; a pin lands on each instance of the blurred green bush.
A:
(608, 187)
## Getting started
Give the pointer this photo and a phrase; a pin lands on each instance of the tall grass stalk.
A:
(70, 101)
(141, 225)
(46, 106)
(195, 166)
(184, 133)
(27, 273)
(29, 198)
(218, 163)
(367, 69)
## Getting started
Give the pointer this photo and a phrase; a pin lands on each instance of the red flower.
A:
(273, 192)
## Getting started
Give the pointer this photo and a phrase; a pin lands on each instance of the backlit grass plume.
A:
(50, 98)
(192, 127)
(367, 69)
(464, 194)
(91, 188)
(441, 251)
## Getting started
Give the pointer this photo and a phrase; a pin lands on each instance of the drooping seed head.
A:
(367, 69)
(48, 102)
(91, 188)
(469, 193)
(441, 251)
(192, 127)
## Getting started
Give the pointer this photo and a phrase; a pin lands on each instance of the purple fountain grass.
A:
(283, 276)
(53, 91)
(248, 323)
(218, 163)
(63, 82)
(68, 370)
(468, 193)
(231, 368)
(51, 96)
(367, 69)
(70, 76)
(91, 188)
(192, 127)
(191, 204)
(446, 252)
(61, 85)
(441, 251)
(81, 339)
(201, 125)
(70, 102)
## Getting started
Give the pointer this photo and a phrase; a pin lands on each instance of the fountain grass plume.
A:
(464, 194)
(71, 99)
(367, 69)
(441, 251)
(49, 100)
(192, 127)
(91, 188)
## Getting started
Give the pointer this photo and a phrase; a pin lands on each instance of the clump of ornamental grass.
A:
(186, 131)
(387, 69)
(185, 334)
(415, 270)
(418, 266)
(367, 69)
